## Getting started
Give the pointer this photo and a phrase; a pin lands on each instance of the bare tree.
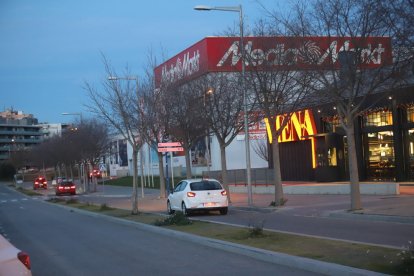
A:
(116, 104)
(223, 105)
(153, 116)
(279, 89)
(186, 121)
(358, 69)
(260, 148)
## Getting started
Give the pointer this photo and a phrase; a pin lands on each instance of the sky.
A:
(50, 48)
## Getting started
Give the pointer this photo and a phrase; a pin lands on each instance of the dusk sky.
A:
(50, 48)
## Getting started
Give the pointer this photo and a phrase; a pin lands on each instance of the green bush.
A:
(105, 207)
(256, 230)
(72, 201)
(278, 203)
(178, 218)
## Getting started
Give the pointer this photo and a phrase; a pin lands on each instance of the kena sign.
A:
(224, 54)
(301, 126)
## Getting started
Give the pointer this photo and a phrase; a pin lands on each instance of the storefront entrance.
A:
(381, 156)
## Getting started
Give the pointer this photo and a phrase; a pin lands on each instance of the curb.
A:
(371, 217)
(277, 258)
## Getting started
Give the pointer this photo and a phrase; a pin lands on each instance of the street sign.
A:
(170, 149)
(169, 144)
(102, 167)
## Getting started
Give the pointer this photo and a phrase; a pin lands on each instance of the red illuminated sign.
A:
(223, 54)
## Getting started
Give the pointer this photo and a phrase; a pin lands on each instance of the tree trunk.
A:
(224, 170)
(134, 182)
(142, 173)
(188, 163)
(279, 197)
(162, 175)
(353, 167)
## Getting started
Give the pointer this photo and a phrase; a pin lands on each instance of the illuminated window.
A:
(410, 114)
(379, 118)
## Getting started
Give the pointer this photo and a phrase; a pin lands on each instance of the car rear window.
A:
(205, 185)
(66, 183)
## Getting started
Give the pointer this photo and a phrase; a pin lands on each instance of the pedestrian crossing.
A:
(20, 200)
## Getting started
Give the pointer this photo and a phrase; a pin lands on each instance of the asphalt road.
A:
(63, 242)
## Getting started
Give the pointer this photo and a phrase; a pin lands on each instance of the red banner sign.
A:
(223, 54)
(170, 149)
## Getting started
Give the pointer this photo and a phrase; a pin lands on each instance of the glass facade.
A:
(381, 155)
(380, 118)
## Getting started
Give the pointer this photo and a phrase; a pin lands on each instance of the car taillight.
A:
(191, 194)
(24, 258)
(60, 188)
(224, 193)
(72, 187)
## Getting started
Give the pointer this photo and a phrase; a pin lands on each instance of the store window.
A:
(378, 118)
(381, 157)
(410, 114)
(411, 151)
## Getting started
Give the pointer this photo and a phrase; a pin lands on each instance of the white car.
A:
(198, 194)
(12, 260)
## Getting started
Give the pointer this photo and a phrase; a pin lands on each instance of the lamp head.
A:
(202, 8)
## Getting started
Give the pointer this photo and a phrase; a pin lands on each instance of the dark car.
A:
(40, 182)
(65, 187)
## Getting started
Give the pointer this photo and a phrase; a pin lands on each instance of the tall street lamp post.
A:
(239, 9)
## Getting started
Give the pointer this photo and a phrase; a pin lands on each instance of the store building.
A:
(313, 147)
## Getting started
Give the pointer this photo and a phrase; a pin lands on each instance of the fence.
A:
(259, 176)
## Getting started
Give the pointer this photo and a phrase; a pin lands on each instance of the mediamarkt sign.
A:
(223, 54)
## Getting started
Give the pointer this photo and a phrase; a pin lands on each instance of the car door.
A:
(174, 197)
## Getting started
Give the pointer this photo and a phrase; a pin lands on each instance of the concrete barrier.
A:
(323, 189)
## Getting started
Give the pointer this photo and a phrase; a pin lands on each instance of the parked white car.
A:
(12, 260)
(198, 194)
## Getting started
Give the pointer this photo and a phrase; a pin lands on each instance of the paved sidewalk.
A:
(375, 207)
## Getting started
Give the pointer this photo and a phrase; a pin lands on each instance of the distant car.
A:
(95, 173)
(40, 182)
(198, 194)
(65, 187)
(12, 260)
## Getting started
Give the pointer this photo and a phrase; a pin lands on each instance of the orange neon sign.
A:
(301, 126)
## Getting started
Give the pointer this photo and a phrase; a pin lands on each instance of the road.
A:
(63, 242)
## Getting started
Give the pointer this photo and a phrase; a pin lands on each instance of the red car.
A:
(95, 173)
(65, 187)
(40, 182)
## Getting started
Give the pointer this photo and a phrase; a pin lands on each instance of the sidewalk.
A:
(400, 207)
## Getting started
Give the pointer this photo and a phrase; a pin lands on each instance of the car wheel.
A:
(184, 209)
(223, 211)
(169, 210)
(34, 188)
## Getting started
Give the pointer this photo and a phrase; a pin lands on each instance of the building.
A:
(313, 147)
(17, 131)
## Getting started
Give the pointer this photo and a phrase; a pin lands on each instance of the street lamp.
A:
(239, 9)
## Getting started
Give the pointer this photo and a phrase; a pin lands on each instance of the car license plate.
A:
(67, 188)
(209, 204)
